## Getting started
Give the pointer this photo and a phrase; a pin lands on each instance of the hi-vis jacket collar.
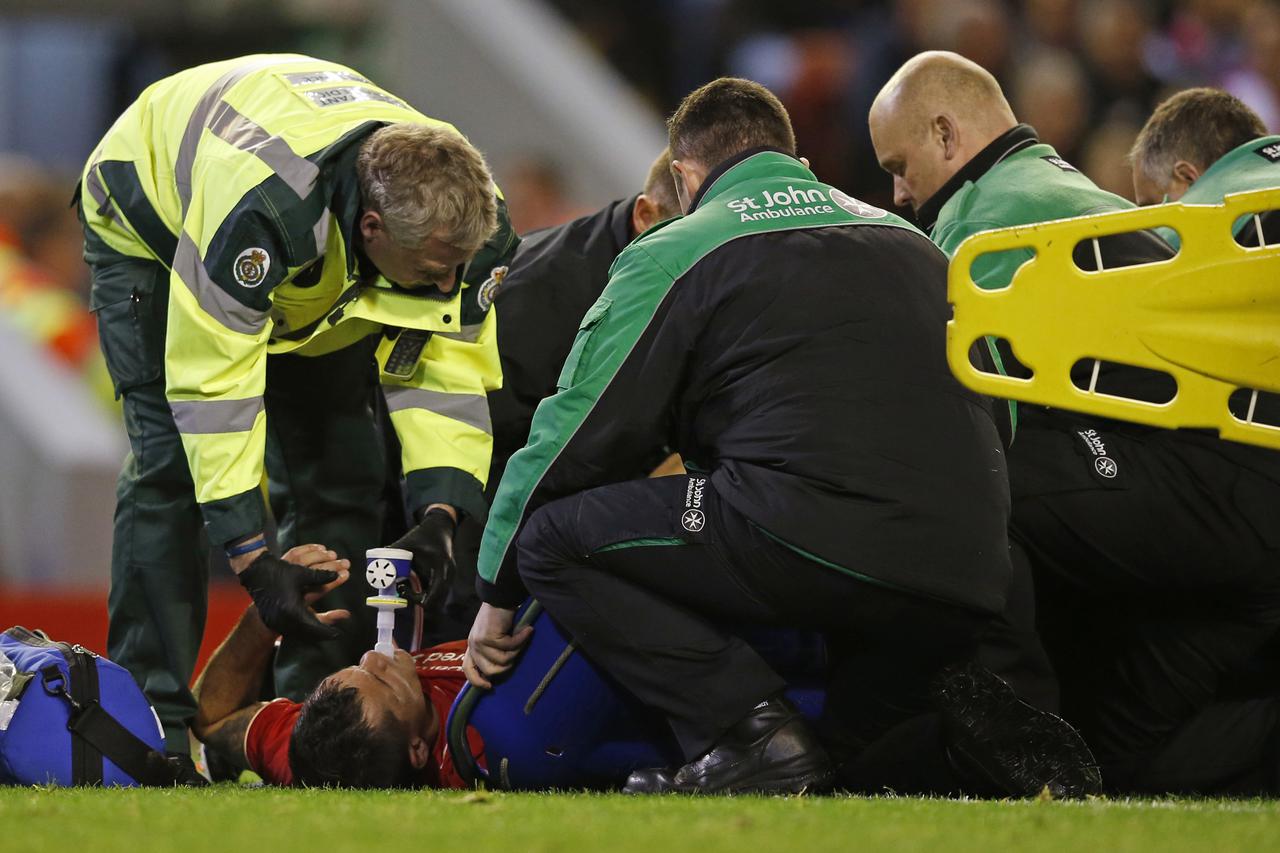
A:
(752, 163)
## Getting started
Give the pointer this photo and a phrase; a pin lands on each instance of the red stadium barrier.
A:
(79, 614)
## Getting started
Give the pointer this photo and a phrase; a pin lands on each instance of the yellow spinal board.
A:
(1209, 317)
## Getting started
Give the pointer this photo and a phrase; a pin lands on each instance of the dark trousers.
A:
(647, 574)
(1010, 646)
(1156, 583)
(327, 474)
(324, 459)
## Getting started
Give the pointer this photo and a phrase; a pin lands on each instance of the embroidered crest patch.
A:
(251, 266)
(489, 290)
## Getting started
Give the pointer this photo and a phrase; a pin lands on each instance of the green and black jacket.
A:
(790, 340)
(1252, 166)
(1019, 180)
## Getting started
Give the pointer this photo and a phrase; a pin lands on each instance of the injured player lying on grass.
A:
(377, 724)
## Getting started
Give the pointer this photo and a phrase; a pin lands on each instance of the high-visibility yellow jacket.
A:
(239, 176)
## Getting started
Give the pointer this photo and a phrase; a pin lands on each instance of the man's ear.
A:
(1186, 172)
(419, 752)
(689, 177)
(371, 225)
(644, 215)
(948, 136)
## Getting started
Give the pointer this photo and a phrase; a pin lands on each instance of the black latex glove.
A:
(277, 588)
(432, 545)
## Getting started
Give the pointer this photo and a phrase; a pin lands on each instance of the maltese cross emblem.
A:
(693, 520)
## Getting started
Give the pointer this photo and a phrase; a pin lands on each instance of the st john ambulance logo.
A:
(857, 208)
(1270, 152)
(251, 267)
(693, 520)
(1060, 163)
(1106, 466)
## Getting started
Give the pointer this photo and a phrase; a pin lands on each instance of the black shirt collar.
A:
(1015, 139)
(620, 221)
(719, 170)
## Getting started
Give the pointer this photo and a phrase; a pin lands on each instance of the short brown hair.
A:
(726, 117)
(660, 186)
(423, 179)
(1196, 125)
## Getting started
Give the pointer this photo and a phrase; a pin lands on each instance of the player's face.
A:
(388, 686)
(434, 263)
(915, 160)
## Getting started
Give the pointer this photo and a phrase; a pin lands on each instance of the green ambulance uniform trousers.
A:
(326, 467)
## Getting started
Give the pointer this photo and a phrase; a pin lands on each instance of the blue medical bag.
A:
(70, 717)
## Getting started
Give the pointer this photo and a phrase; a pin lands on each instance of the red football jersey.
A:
(266, 743)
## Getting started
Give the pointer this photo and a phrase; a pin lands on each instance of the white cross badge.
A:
(693, 520)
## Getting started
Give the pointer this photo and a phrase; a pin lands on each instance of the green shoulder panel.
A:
(767, 192)
(1034, 185)
(1252, 166)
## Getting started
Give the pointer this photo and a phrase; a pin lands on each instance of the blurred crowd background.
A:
(1085, 73)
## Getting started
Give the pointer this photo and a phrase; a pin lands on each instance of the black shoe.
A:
(1019, 749)
(655, 780)
(771, 750)
(184, 770)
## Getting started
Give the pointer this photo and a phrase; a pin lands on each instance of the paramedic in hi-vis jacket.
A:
(262, 232)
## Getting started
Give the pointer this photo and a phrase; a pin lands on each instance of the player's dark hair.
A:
(333, 745)
(1197, 125)
(726, 117)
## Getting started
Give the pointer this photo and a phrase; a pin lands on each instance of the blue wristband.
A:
(246, 547)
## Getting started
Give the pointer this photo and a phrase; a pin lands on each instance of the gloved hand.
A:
(432, 545)
(278, 589)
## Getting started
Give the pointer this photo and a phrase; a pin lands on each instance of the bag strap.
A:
(86, 763)
(103, 732)
(96, 734)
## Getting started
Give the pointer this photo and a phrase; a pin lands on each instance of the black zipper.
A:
(86, 761)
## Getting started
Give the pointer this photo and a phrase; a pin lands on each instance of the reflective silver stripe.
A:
(470, 409)
(229, 125)
(321, 231)
(185, 161)
(468, 334)
(215, 301)
(97, 192)
(206, 417)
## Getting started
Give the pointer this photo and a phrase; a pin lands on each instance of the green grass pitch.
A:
(231, 818)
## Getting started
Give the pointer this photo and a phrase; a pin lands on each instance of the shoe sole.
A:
(807, 783)
(1020, 748)
(810, 782)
